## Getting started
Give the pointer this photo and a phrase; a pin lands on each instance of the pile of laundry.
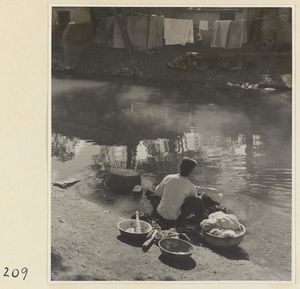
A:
(254, 86)
(222, 225)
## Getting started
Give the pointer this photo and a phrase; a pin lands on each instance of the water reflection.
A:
(62, 147)
(224, 162)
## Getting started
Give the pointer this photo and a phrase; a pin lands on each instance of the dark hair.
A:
(186, 166)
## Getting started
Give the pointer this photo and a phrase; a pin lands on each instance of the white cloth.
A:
(178, 31)
(156, 32)
(173, 190)
(220, 220)
(229, 34)
(237, 34)
(203, 25)
(220, 33)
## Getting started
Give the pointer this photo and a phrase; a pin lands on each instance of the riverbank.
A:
(220, 68)
(86, 246)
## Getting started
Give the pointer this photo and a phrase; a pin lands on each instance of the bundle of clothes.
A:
(222, 225)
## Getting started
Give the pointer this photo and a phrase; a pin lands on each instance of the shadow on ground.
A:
(236, 253)
(134, 243)
(57, 263)
(184, 264)
(233, 253)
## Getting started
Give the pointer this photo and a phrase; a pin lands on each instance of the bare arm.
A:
(159, 190)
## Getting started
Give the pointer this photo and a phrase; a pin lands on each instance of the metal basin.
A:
(127, 229)
(221, 242)
(177, 249)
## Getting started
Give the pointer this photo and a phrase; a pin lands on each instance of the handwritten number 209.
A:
(15, 272)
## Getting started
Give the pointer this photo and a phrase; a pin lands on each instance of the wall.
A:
(271, 26)
(79, 15)
(210, 15)
(284, 31)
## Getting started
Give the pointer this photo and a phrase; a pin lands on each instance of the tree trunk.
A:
(122, 180)
(122, 23)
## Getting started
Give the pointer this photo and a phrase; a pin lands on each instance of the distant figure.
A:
(179, 198)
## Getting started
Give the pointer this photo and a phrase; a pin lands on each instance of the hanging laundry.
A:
(203, 25)
(178, 31)
(156, 32)
(246, 31)
(137, 27)
(236, 34)
(229, 34)
(220, 33)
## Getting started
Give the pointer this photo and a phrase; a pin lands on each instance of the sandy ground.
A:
(86, 245)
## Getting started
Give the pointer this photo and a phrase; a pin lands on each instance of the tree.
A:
(121, 21)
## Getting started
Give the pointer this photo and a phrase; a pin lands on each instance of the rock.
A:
(122, 180)
(137, 189)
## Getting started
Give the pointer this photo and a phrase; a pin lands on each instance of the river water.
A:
(243, 149)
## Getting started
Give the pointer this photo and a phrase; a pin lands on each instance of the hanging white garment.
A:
(156, 32)
(203, 25)
(237, 34)
(220, 33)
(229, 34)
(178, 31)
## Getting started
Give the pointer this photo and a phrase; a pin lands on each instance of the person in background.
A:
(179, 198)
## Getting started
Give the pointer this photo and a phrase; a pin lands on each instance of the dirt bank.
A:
(214, 67)
(86, 245)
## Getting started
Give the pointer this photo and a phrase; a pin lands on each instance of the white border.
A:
(293, 264)
(49, 136)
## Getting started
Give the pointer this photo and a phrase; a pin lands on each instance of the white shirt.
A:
(173, 190)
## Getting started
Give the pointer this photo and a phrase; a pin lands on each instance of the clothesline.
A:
(143, 14)
(246, 19)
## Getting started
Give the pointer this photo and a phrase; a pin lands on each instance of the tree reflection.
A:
(62, 147)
